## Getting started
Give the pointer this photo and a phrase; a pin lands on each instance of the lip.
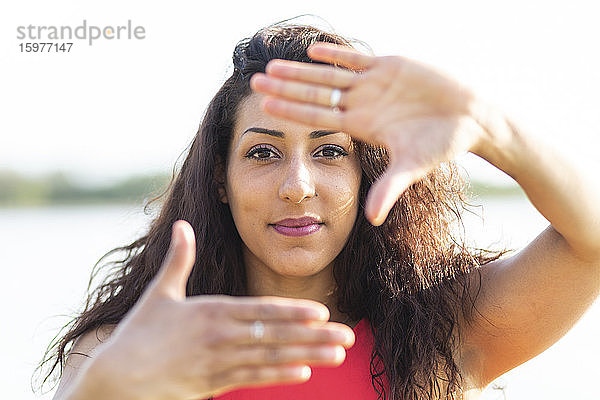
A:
(297, 222)
(296, 227)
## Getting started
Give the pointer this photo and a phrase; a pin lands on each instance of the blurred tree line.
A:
(56, 188)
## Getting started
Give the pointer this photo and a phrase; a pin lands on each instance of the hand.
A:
(173, 347)
(421, 116)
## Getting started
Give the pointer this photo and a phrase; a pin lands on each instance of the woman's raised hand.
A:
(420, 115)
(172, 347)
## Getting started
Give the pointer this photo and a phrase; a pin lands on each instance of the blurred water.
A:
(47, 255)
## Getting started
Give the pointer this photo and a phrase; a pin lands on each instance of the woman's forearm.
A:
(562, 191)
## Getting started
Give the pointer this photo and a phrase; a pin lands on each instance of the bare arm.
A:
(532, 299)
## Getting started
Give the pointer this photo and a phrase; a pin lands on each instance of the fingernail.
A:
(306, 372)
(174, 238)
(319, 315)
(374, 220)
(324, 314)
(345, 337)
(256, 78)
(380, 217)
(340, 353)
(349, 338)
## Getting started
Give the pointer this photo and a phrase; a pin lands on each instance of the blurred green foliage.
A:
(56, 188)
(17, 190)
(486, 189)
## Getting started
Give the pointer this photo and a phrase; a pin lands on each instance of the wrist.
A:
(500, 141)
(96, 380)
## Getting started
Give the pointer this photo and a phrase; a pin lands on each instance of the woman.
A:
(274, 192)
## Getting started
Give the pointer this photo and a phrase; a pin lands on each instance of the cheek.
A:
(242, 193)
(342, 196)
(248, 192)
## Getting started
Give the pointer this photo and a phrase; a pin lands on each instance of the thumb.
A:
(385, 192)
(172, 278)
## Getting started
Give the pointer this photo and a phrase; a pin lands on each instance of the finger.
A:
(307, 114)
(267, 308)
(247, 376)
(273, 355)
(291, 90)
(385, 192)
(172, 278)
(313, 73)
(340, 55)
(280, 333)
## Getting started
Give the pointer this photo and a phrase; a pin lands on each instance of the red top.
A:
(351, 380)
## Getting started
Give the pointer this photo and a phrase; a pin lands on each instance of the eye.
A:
(262, 153)
(330, 152)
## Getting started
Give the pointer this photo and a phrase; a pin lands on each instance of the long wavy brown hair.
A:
(408, 277)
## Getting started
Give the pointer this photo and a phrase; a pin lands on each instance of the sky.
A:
(121, 107)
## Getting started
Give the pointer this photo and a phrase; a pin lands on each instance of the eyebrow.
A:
(280, 134)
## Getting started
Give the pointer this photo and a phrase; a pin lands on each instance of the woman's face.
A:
(292, 190)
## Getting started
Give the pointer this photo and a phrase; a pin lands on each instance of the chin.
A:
(299, 270)
(297, 265)
(290, 262)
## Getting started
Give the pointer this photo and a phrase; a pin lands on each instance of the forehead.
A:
(249, 112)
(251, 115)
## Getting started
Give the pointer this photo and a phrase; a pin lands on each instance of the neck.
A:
(319, 287)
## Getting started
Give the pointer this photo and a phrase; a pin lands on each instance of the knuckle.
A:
(283, 107)
(214, 335)
(247, 375)
(349, 98)
(219, 380)
(230, 334)
(328, 336)
(356, 78)
(328, 75)
(296, 73)
(322, 353)
(237, 376)
(271, 354)
(279, 87)
(314, 353)
(282, 334)
(311, 94)
(212, 310)
(311, 116)
(267, 311)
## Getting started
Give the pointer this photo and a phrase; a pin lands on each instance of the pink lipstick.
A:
(297, 227)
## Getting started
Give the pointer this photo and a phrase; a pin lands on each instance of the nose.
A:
(298, 183)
